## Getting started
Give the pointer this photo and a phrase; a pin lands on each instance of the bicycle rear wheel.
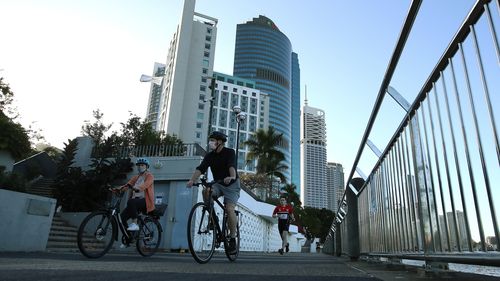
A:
(96, 234)
(149, 237)
(201, 238)
(234, 255)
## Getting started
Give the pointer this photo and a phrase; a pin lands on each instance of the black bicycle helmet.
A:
(218, 136)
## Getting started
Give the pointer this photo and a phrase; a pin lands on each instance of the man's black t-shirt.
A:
(219, 163)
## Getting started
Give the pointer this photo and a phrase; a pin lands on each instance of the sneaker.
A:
(231, 246)
(287, 247)
(133, 227)
(123, 246)
(280, 251)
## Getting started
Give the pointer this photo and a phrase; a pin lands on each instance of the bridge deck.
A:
(176, 266)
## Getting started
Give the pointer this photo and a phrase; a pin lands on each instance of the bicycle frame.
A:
(220, 230)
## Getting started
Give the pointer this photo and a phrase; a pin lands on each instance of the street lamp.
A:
(240, 116)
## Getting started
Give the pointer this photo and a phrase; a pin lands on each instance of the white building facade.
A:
(184, 85)
(314, 192)
(232, 91)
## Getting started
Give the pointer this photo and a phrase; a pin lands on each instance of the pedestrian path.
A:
(119, 265)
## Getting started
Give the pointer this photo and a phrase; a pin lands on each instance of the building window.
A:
(208, 38)
(206, 54)
(235, 90)
(199, 125)
(203, 88)
(207, 46)
(199, 116)
(198, 135)
(225, 87)
(209, 30)
(205, 62)
(205, 71)
(201, 106)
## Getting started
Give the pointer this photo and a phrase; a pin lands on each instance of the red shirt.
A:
(283, 212)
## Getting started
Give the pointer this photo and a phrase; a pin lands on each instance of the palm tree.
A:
(264, 147)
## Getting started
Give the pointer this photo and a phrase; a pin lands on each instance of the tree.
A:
(96, 130)
(78, 190)
(317, 222)
(14, 138)
(265, 148)
(6, 98)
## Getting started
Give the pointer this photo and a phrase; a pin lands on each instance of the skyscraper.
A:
(313, 161)
(295, 137)
(155, 96)
(264, 54)
(185, 88)
(335, 182)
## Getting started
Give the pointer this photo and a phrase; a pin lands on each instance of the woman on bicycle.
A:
(284, 213)
(221, 161)
(141, 199)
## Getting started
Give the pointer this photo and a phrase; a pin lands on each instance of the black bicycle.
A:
(205, 234)
(99, 230)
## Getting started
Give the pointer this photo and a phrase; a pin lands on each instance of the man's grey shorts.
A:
(231, 193)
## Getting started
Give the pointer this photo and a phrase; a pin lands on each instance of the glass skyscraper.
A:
(264, 54)
(295, 147)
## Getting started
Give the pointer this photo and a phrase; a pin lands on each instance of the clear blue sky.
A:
(64, 59)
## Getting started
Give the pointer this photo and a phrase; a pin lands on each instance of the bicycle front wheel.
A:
(149, 237)
(96, 234)
(201, 233)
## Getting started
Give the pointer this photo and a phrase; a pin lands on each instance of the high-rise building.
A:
(295, 134)
(314, 191)
(155, 95)
(185, 86)
(231, 91)
(335, 182)
(264, 54)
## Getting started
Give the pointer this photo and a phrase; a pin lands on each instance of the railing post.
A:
(338, 240)
(424, 188)
(353, 244)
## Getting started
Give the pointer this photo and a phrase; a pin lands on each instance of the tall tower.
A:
(155, 96)
(335, 182)
(313, 160)
(295, 137)
(185, 89)
(264, 54)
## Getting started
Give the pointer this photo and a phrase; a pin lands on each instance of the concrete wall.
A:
(25, 221)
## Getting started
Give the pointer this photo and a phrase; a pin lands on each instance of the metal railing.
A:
(168, 150)
(434, 193)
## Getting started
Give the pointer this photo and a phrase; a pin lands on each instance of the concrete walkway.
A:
(181, 266)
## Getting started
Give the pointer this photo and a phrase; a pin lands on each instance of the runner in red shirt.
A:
(284, 213)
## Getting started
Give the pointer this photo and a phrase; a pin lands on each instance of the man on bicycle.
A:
(221, 161)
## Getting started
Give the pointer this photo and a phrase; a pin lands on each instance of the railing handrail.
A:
(452, 48)
(405, 32)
